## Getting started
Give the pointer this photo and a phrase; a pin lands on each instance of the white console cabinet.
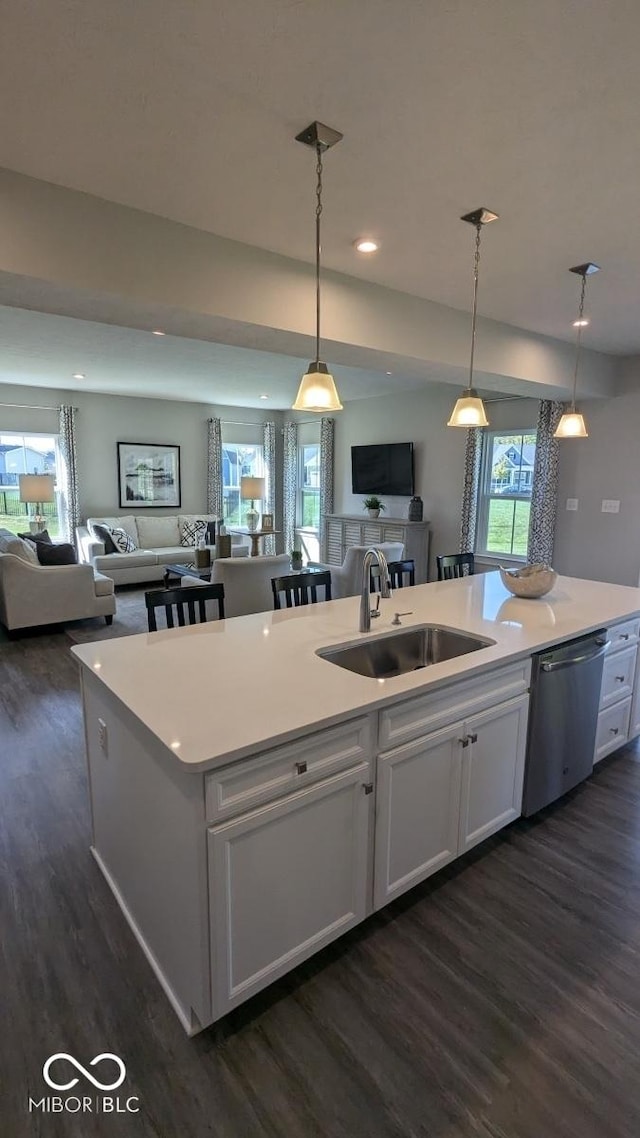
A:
(343, 530)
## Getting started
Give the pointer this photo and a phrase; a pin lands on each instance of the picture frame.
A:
(148, 475)
(267, 522)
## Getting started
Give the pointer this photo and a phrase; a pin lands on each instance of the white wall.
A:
(602, 547)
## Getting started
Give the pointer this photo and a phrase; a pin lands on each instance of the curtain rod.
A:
(29, 407)
(261, 422)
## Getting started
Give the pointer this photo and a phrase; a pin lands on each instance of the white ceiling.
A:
(189, 110)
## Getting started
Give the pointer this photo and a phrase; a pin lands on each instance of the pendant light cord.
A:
(476, 272)
(578, 339)
(318, 215)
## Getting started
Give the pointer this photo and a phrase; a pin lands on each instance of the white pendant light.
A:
(469, 409)
(572, 424)
(317, 391)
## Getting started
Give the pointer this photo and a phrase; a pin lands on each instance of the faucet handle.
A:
(397, 615)
(376, 611)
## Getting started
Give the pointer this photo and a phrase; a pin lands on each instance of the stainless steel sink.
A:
(394, 654)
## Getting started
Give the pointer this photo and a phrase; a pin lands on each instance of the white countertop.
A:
(218, 691)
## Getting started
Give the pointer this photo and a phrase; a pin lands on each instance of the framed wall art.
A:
(148, 474)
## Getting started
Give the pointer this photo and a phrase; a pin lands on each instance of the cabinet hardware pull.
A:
(474, 737)
(620, 679)
(625, 635)
(464, 741)
(368, 787)
(301, 768)
(614, 730)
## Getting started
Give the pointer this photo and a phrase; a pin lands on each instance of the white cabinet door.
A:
(285, 880)
(492, 770)
(417, 809)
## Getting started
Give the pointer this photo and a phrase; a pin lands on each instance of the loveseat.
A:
(32, 594)
(158, 541)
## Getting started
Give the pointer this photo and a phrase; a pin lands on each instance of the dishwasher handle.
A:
(555, 666)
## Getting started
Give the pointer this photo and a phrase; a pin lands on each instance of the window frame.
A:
(485, 496)
(230, 444)
(305, 532)
(56, 520)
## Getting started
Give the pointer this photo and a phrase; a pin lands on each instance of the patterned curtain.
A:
(268, 506)
(215, 504)
(69, 496)
(290, 485)
(544, 492)
(327, 430)
(469, 513)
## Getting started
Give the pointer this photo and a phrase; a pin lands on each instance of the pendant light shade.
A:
(317, 391)
(469, 409)
(572, 424)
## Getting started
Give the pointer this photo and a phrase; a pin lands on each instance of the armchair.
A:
(346, 579)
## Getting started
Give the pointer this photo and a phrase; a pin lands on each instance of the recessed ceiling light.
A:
(158, 332)
(264, 396)
(367, 245)
(389, 373)
(78, 375)
(581, 323)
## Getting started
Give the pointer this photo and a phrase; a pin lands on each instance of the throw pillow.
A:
(103, 534)
(63, 554)
(121, 540)
(192, 531)
(25, 550)
(41, 535)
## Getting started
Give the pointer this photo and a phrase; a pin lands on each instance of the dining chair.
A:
(452, 565)
(192, 599)
(300, 588)
(398, 571)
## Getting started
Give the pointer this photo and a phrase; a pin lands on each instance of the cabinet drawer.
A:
(622, 634)
(613, 728)
(425, 713)
(251, 782)
(617, 676)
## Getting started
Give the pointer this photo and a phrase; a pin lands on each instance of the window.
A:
(238, 459)
(505, 493)
(27, 454)
(308, 511)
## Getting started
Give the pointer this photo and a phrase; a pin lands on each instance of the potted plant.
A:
(373, 505)
(296, 558)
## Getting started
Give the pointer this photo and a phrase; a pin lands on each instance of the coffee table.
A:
(171, 571)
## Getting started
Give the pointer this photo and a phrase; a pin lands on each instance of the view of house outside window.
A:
(26, 454)
(505, 493)
(308, 527)
(238, 460)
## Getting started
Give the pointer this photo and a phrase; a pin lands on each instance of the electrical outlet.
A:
(610, 505)
(572, 503)
(103, 738)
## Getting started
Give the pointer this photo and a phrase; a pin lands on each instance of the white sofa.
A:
(33, 594)
(157, 540)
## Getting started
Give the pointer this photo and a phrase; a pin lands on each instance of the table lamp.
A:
(252, 489)
(34, 490)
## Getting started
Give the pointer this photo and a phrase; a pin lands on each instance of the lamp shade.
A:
(469, 411)
(252, 488)
(571, 426)
(36, 487)
(317, 391)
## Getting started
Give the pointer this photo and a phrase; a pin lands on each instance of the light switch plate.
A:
(103, 738)
(572, 503)
(610, 505)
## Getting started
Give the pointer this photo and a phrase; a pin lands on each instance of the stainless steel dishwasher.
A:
(563, 716)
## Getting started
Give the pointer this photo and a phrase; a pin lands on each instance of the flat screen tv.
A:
(382, 468)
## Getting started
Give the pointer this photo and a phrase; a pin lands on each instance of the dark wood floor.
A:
(500, 1000)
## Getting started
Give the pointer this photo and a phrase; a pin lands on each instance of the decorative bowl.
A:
(531, 581)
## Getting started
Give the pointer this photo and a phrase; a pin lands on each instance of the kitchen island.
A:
(251, 800)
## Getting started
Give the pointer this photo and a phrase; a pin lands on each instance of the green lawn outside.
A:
(508, 529)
